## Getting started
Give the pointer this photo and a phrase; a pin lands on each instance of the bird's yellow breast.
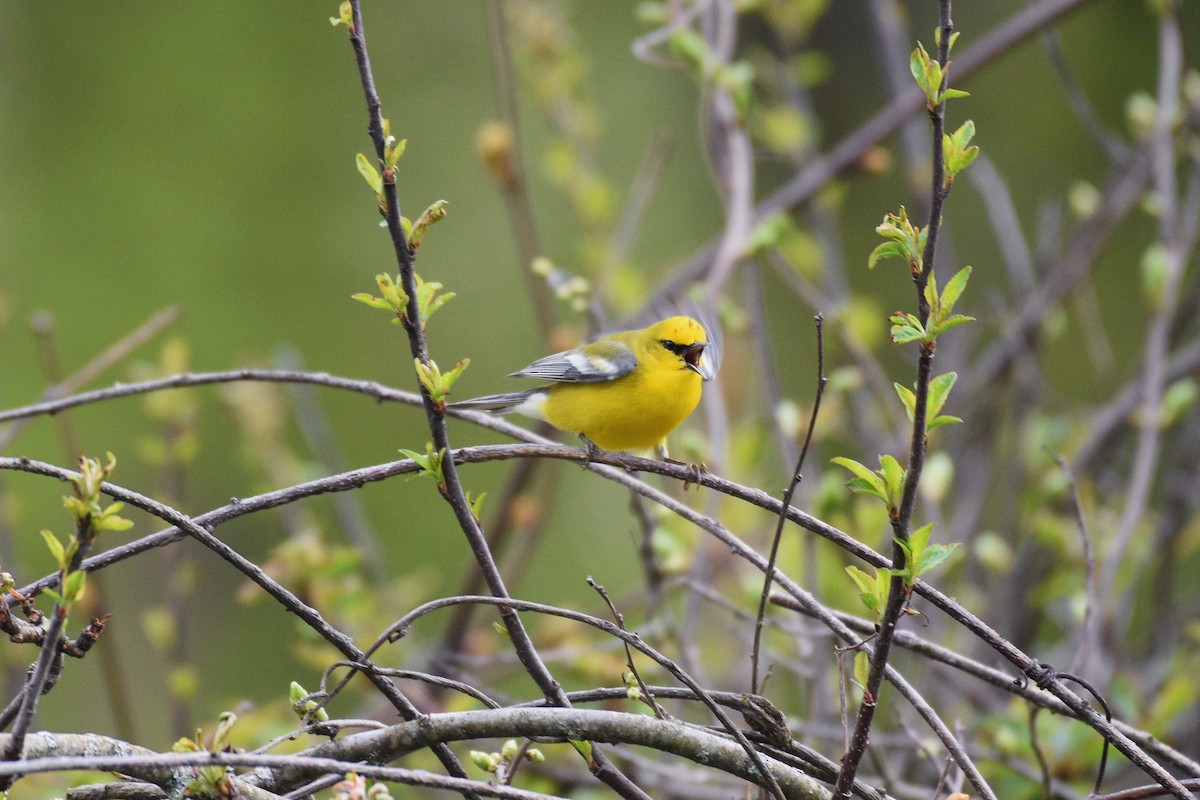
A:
(635, 412)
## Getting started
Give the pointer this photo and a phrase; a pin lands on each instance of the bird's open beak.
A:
(693, 358)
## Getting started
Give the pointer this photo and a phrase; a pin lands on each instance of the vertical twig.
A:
(452, 489)
(797, 476)
(619, 618)
(898, 595)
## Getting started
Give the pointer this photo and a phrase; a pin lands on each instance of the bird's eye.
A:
(674, 347)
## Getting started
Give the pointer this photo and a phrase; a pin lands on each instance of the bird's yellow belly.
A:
(631, 413)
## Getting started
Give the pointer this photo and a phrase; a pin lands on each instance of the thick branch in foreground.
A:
(687, 741)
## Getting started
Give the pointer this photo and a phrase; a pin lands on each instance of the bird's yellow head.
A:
(682, 339)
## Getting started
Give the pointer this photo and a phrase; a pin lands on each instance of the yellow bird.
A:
(625, 391)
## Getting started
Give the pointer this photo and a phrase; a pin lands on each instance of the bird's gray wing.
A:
(594, 363)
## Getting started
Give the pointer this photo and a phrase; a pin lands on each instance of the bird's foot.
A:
(693, 473)
(591, 448)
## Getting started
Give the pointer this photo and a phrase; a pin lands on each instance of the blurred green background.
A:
(201, 155)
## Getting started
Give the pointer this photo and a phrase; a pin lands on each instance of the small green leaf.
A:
(863, 580)
(476, 504)
(902, 334)
(933, 557)
(887, 483)
(944, 419)
(79, 509)
(965, 133)
(918, 540)
(413, 454)
(73, 586)
(887, 250)
(186, 745)
(392, 293)
(908, 399)
(906, 572)
(428, 217)
(894, 477)
(952, 321)
(952, 94)
(939, 391)
(584, 747)
(860, 486)
(369, 173)
(109, 521)
(430, 463)
(371, 300)
(858, 469)
(428, 299)
(453, 375)
(429, 376)
(862, 669)
(434, 304)
(957, 159)
(55, 547)
(869, 592)
(900, 230)
(865, 481)
(345, 15)
(915, 551)
(954, 289)
(393, 150)
(220, 738)
(927, 73)
(920, 555)
(931, 295)
(114, 524)
(437, 383)
(916, 64)
(883, 587)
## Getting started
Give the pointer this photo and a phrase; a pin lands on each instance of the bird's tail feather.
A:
(527, 403)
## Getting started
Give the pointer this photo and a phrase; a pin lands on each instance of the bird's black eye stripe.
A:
(674, 347)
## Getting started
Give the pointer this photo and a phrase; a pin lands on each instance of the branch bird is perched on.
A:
(625, 391)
